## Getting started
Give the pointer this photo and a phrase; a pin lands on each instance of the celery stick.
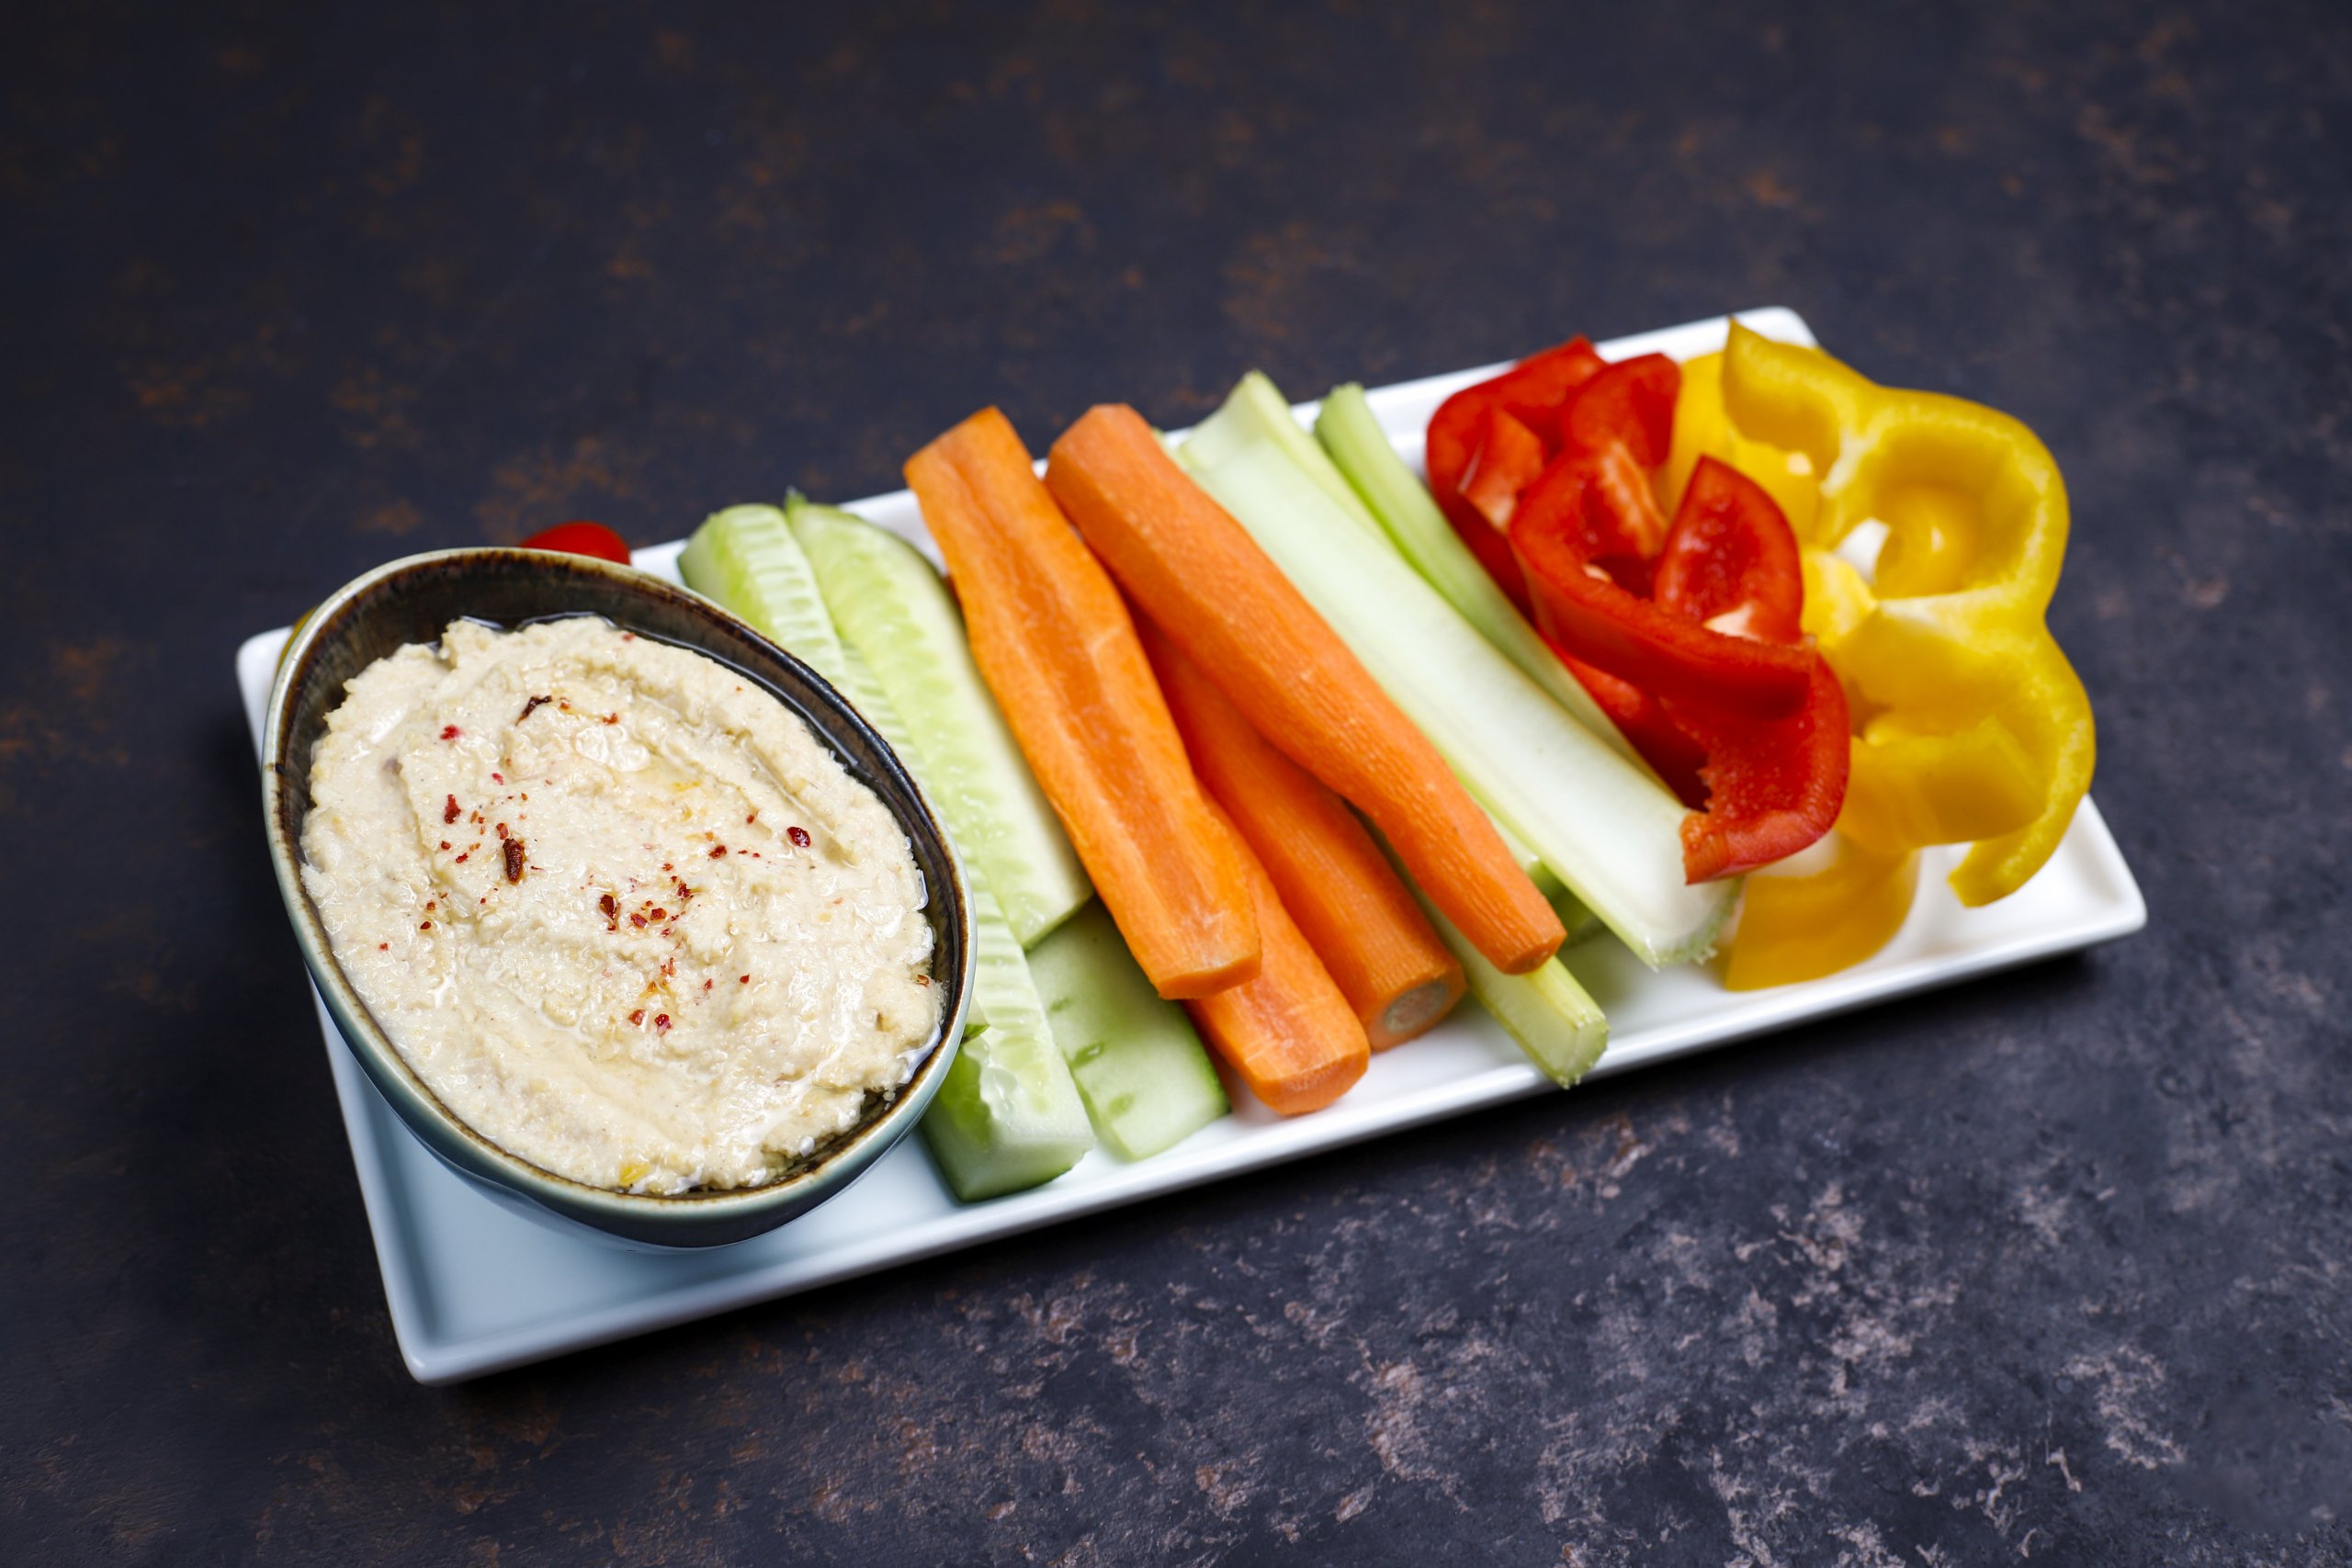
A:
(1551, 1016)
(1612, 833)
(1256, 411)
(1575, 919)
(1348, 431)
(894, 610)
(1555, 1022)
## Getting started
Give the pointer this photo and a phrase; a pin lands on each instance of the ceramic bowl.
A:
(411, 601)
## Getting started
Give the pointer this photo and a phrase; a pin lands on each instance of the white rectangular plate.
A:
(475, 1288)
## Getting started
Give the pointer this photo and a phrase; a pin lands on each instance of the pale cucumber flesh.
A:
(994, 1127)
(747, 558)
(1139, 1064)
(894, 610)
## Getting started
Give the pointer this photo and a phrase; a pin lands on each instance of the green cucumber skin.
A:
(984, 1144)
(987, 1146)
(1008, 1114)
(1348, 429)
(895, 612)
(1140, 1067)
(747, 558)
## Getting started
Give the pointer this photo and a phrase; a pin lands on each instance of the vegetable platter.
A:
(474, 1286)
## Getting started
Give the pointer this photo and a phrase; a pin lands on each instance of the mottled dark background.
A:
(2054, 1265)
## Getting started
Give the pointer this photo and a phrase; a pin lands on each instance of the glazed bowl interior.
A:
(414, 600)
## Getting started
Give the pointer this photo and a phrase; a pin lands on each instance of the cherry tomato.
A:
(580, 539)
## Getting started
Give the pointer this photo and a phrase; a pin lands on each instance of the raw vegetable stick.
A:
(1052, 639)
(1288, 1034)
(1197, 573)
(1009, 1114)
(892, 608)
(1333, 879)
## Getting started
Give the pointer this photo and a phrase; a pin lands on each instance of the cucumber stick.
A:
(1137, 1068)
(1610, 831)
(747, 559)
(1137, 1061)
(1132, 1060)
(1348, 429)
(894, 610)
(1008, 1115)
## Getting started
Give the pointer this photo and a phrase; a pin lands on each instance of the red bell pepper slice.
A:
(1630, 402)
(579, 538)
(1644, 721)
(1773, 785)
(1583, 610)
(1571, 498)
(1506, 463)
(1730, 561)
(1532, 391)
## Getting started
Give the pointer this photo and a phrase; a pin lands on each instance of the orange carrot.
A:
(1340, 889)
(1052, 639)
(1289, 1033)
(1198, 574)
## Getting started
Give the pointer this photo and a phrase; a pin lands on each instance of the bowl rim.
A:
(413, 1099)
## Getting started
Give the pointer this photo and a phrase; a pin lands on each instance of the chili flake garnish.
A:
(449, 810)
(745, 979)
(718, 854)
(638, 921)
(514, 860)
(661, 1020)
(529, 707)
(610, 908)
(798, 835)
(638, 1017)
(450, 732)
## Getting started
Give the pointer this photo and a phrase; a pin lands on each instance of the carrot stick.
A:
(1052, 639)
(1198, 574)
(1289, 1034)
(1340, 889)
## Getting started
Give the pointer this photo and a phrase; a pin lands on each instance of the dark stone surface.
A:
(2053, 1265)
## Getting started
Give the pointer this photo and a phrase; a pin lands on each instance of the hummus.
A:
(616, 904)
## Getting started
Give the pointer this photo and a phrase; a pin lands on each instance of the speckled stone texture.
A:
(2053, 1266)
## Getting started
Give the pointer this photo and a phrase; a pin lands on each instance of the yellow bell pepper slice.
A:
(1976, 729)
(1801, 928)
(1702, 429)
